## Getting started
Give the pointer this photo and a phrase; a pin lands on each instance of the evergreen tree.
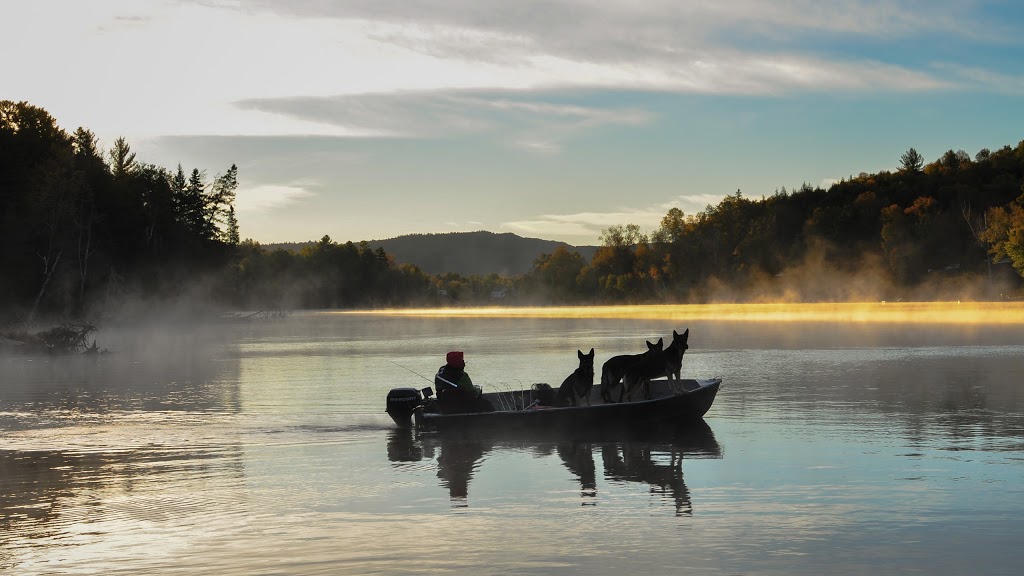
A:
(911, 161)
(220, 204)
(122, 159)
(231, 234)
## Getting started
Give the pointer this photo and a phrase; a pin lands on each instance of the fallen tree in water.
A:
(68, 338)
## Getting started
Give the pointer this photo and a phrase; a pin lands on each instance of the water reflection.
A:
(578, 457)
(47, 497)
(651, 456)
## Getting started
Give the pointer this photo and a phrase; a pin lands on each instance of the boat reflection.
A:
(652, 456)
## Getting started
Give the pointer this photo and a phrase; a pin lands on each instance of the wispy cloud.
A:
(988, 80)
(587, 226)
(691, 204)
(259, 199)
(569, 25)
(534, 124)
(279, 49)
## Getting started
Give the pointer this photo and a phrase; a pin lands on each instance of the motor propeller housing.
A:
(401, 404)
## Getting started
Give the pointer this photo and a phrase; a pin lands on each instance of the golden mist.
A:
(1006, 313)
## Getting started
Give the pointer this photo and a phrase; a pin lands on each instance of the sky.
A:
(367, 120)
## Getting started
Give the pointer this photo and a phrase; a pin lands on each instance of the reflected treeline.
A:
(945, 396)
(954, 402)
(650, 456)
(44, 494)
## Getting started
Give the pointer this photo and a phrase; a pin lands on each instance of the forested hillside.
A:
(470, 253)
(949, 229)
(464, 253)
(86, 230)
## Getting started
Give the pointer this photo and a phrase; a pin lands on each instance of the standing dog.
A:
(579, 382)
(615, 368)
(674, 353)
(655, 365)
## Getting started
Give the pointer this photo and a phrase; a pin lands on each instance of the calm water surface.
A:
(263, 449)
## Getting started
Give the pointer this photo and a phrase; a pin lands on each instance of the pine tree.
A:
(221, 201)
(911, 161)
(122, 159)
(231, 235)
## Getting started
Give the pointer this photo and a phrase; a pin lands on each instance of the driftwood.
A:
(68, 338)
(258, 316)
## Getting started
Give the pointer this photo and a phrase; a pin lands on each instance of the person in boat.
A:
(455, 389)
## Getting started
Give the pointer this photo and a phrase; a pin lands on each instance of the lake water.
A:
(262, 448)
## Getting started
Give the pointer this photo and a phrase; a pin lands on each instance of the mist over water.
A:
(833, 447)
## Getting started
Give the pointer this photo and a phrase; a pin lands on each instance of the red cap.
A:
(455, 359)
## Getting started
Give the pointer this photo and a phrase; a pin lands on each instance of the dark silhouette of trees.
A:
(80, 226)
(83, 228)
(327, 275)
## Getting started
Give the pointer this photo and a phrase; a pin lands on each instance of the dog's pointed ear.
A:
(674, 335)
(591, 355)
(661, 343)
(580, 354)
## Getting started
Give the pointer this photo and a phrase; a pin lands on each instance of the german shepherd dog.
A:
(665, 363)
(674, 353)
(615, 368)
(579, 382)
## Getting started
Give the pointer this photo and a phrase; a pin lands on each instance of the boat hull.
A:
(667, 406)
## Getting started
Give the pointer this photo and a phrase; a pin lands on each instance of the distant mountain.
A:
(473, 252)
(464, 252)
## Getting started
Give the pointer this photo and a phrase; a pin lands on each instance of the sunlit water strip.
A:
(993, 313)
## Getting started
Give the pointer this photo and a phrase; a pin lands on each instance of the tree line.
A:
(84, 229)
(81, 225)
(951, 228)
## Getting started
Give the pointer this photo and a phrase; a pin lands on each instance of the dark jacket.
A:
(449, 375)
(461, 398)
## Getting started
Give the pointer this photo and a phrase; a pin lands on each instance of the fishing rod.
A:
(453, 384)
(510, 400)
(501, 400)
(512, 396)
(417, 373)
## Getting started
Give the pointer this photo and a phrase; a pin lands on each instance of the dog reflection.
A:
(641, 463)
(578, 457)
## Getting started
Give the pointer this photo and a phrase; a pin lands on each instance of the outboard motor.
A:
(402, 402)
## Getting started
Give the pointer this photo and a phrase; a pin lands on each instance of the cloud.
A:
(586, 227)
(248, 51)
(582, 227)
(539, 147)
(427, 114)
(613, 26)
(728, 46)
(691, 204)
(990, 81)
(527, 120)
(267, 197)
